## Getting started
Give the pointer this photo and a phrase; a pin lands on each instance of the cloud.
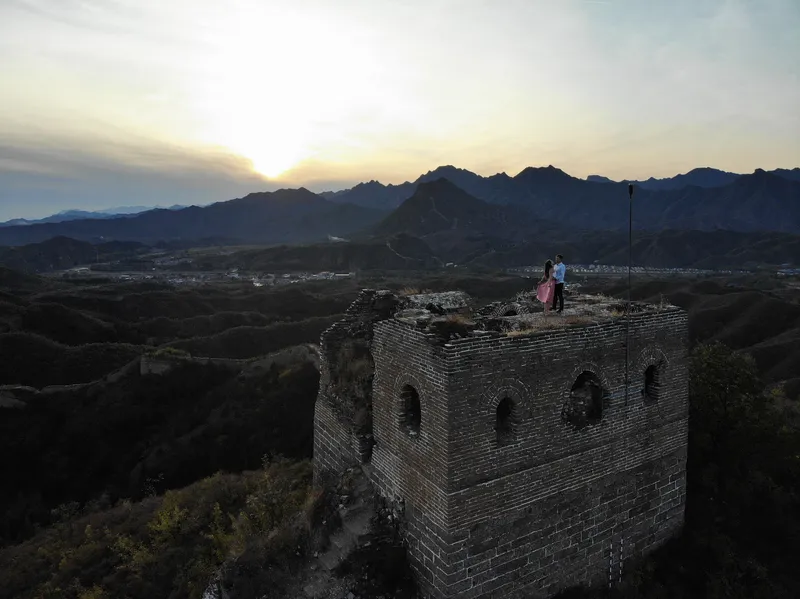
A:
(39, 179)
(127, 97)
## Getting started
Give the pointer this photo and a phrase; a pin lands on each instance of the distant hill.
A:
(793, 174)
(12, 281)
(288, 215)
(59, 253)
(395, 252)
(663, 249)
(440, 205)
(599, 179)
(498, 189)
(699, 177)
(68, 215)
(458, 227)
(707, 177)
(761, 201)
(372, 195)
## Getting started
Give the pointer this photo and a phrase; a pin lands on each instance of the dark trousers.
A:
(558, 296)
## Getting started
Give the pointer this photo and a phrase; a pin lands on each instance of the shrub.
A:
(169, 352)
(167, 546)
(248, 342)
(29, 359)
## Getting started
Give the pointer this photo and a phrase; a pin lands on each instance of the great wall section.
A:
(519, 456)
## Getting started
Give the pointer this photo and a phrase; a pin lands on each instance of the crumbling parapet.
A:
(343, 409)
(344, 402)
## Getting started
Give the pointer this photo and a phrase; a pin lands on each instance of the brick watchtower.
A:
(523, 462)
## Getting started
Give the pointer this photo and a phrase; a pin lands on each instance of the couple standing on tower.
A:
(551, 286)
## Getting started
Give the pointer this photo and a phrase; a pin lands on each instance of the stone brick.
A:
(544, 509)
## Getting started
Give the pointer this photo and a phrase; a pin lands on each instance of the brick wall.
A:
(412, 468)
(538, 371)
(335, 446)
(551, 505)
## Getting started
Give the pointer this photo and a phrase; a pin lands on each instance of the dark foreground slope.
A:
(105, 491)
(114, 429)
(172, 545)
(61, 253)
(139, 433)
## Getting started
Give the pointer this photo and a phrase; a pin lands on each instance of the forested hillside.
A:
(129, 484)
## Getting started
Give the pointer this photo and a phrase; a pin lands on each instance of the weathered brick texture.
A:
(335, 445)
(547, 505)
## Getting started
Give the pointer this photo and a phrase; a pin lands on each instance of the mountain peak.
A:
(440, 183)
(543, 174)
(762, 177)
(447, 168)
(759, 175)
(599, 179)
(371, 184)
(504, 176)
(707, 169)
(437, 206)
(448, 171)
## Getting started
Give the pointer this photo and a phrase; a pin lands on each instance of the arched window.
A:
(652, 383)
(505, 421)
(586, 401)
(412, 410)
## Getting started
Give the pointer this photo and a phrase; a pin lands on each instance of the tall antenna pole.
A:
(628, 310)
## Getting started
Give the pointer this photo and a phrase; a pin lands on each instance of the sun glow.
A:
(276, 86)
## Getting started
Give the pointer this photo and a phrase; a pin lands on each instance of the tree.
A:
(742, 478)
(727, 409)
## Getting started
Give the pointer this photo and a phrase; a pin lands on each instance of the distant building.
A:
(788, 272)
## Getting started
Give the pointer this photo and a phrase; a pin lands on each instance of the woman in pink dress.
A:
(547, 287)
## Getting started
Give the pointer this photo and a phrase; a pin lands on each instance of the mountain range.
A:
(499, 188)
(439, 224)
(286, 215)
(456, 227)
(699, 177)
(456, 212)
(67, 215)
(504, 189)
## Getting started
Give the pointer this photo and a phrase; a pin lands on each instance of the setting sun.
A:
(275, 86)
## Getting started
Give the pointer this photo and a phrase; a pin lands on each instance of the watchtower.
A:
(524, 460)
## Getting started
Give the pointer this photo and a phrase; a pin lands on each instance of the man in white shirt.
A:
(559, 270)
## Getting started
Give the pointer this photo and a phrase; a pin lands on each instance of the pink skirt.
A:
(546, 291)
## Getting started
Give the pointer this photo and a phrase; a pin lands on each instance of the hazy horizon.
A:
(106, 103)
(314, 188)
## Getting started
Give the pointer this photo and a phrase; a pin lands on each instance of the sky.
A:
(157, 102)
